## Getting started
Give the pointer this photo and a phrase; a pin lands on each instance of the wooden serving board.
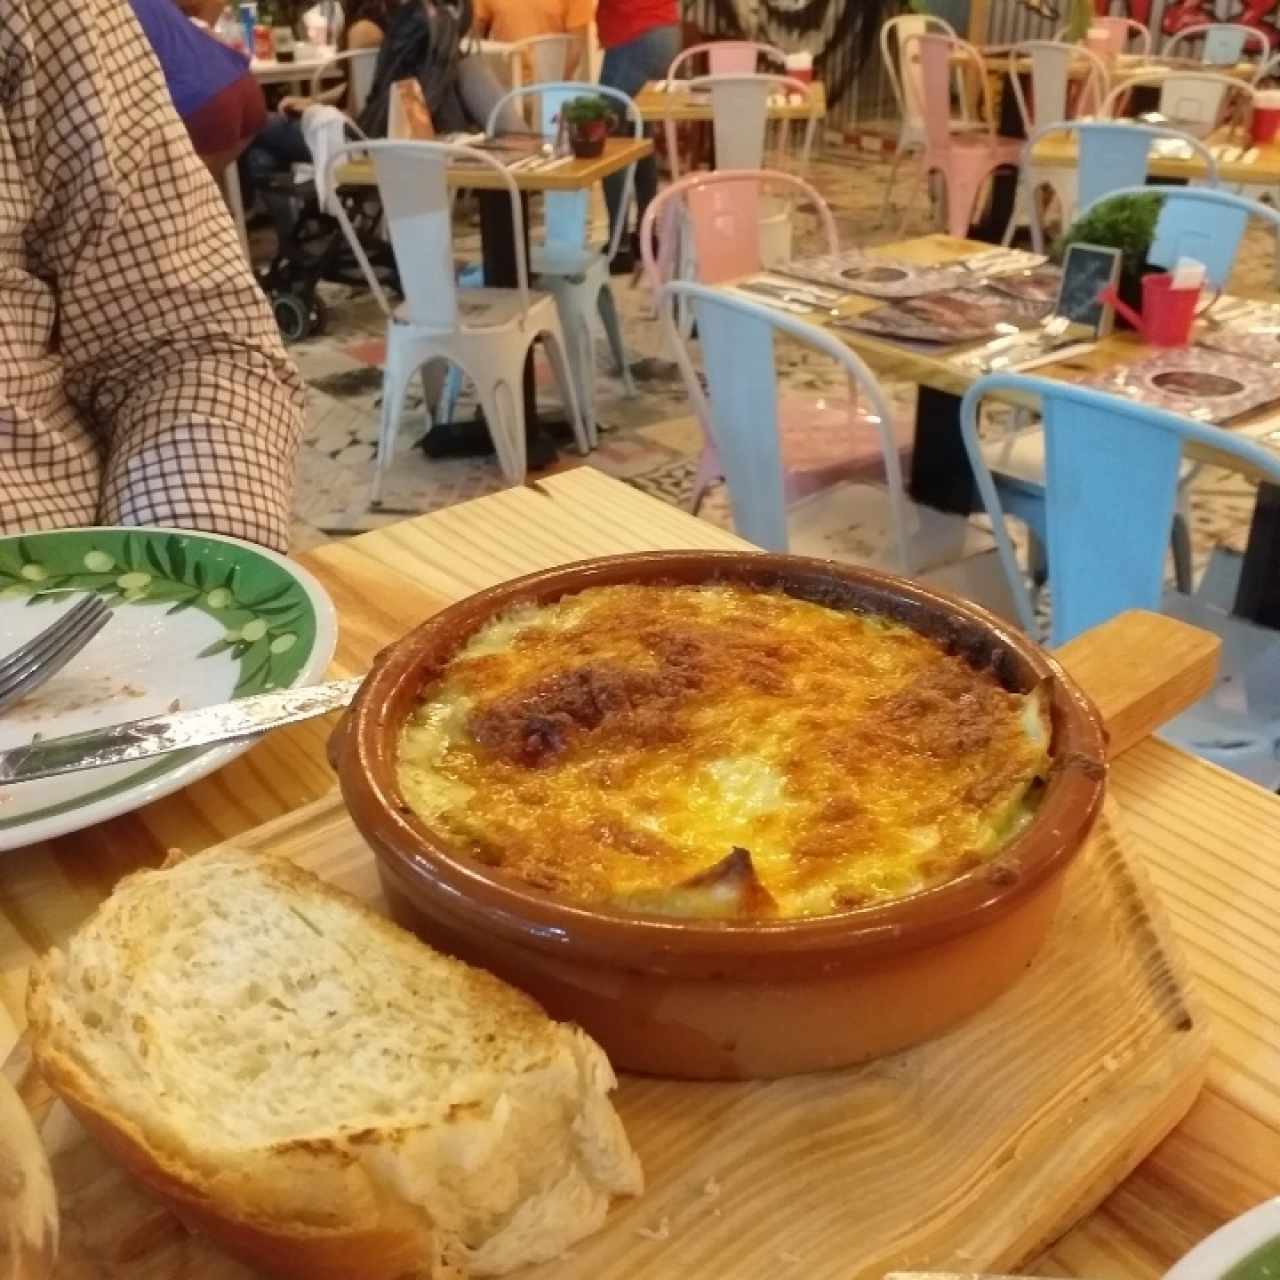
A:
(974, 1151)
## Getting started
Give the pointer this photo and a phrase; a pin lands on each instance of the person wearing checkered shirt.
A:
(142, 380)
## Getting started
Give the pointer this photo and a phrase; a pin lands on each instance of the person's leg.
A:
(481, 91)
(278, 145)
(629, 67)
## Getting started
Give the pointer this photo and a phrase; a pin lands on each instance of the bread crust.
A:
(306, 1208)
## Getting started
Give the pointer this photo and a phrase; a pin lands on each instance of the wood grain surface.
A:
(972, 1150)
(1209, 841)
(654, 103)
(572, 176)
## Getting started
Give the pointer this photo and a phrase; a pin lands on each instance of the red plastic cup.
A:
(1167, 313)
(1265, 123)
(800, 67)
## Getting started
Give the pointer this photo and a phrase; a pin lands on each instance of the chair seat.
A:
(563, 259)
(821, 445)
(851, 522)
(487, 308)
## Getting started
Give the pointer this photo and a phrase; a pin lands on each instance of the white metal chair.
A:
(360, 65)
(905, 82)
(848, 520)
(1121, 32)
(1194, 101)
(546, 59)
(1225, 43)
(488, 333)
(740, 116)
(567, 265)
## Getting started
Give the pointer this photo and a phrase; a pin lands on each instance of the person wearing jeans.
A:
(641, 39)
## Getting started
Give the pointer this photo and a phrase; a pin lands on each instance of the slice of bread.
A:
(315, 1088)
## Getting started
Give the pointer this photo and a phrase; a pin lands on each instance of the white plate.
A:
(198, 619)
(1229, 1246)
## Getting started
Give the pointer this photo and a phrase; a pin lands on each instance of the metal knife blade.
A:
(160, 735)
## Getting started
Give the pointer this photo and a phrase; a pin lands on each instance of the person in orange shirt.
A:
(512, 20)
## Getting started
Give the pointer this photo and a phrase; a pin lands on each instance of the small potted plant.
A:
(1127, 223)
(587, 121)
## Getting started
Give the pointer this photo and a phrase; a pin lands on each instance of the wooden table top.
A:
(1060, 151)
(573, 175)
(655, 103)
(1209, 841)
(934, 366)
(1125, 68)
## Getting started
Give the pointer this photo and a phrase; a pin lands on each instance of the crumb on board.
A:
(711, 1188)
(1110, 1062)
(175, 706)
(36, 737)
(133, 691)
(661, 1232)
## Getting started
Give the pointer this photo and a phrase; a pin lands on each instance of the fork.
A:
(29, 667)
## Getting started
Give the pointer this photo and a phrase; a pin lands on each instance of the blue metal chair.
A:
(850, 519)
(1224, 42)
(1112, 468)
(1113, 154)
(1195, 222)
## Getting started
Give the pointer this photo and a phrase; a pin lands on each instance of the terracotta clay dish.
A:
(761, 991)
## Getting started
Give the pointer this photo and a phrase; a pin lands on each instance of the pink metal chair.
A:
(965, 160)
(1119, 32)
(825, 440)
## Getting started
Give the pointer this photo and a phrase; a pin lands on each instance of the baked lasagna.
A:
(720, 751)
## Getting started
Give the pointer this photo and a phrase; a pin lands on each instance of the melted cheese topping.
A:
(719, 751)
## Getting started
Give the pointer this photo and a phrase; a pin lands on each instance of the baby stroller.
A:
(422, 42)
(311, 248)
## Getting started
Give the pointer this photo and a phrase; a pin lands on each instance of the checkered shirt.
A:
(142, 380)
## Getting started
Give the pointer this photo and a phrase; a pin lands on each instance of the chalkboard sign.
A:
(1086, 271)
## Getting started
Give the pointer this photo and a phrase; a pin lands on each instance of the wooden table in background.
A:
(573, 175)
(1059, 151)
(1209, 840)
(654, 103)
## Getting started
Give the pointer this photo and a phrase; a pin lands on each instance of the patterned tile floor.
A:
(648, 441)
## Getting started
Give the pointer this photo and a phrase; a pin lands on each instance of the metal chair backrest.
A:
(740, 114)
(1120, 31)
(740, 404)
(1111, 480)
(1224, 42)
(904, 77)
(937, 57)
(1195, 101)
(721, 213)
(567, 213)
(413, 187)
(1113, 154)
(360, 67)
(547, 57)
(1051, 67)
(1201, 223)
(727, 57)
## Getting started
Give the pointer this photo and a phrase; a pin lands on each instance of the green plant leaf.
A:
(229, 580)
(153, 556)
(24, 550)
(256, 605)
(248, 681)
(220, 645)
(183, 604)
(177, 556)
(197, 572)
(274, 610)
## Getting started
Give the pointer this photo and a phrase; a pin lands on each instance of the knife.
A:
(159, 735)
